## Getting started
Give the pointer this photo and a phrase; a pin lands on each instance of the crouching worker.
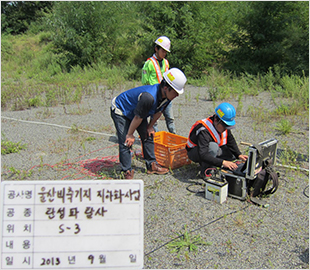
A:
(130, 111)
(211, 143)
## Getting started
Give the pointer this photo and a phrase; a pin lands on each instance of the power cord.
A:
(198, 191)
(199, 228)
(209, 172)
(304, 191)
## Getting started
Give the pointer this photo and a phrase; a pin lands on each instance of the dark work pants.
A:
(122, 124)
(220, 152)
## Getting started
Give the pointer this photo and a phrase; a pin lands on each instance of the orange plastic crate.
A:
(170, 150)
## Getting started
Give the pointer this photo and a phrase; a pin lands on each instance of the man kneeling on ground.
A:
(211, 143)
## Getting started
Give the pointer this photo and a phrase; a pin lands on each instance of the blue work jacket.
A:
(128, 100)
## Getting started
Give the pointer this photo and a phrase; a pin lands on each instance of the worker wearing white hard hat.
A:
(163, 42)
(152, 72)
(130, 111)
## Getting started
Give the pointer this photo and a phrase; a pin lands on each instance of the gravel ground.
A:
(238, 234)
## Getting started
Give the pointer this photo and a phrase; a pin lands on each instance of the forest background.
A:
(54, 52)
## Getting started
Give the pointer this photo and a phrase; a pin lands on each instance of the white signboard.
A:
(72, 224)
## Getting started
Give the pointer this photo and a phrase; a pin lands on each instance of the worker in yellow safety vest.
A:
(211, 142)
(152, 72)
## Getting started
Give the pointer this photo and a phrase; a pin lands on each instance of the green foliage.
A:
(271, 79)
(288, 109)
(186, 241)
(284, 126)
(8, 147)
(197, 31)
(6, 48)
(288, 156)
(16, 16)
(91, 47)
(258, 115)
(89, 139)
(292, 87)
(245, 37)
(86, 33)
(296, 87)
(32, 75)
(34, 102)
(269, 34)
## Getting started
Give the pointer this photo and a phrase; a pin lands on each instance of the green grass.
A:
(222, 85)
(8, 147)
(284, 127)
(288, 156)
(186, 241)
(32, 76)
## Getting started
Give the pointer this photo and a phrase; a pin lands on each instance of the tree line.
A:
(238, 36)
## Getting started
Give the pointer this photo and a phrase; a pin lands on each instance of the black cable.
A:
(304, 191)
(195, 191)
(211, 222)
(208, 175)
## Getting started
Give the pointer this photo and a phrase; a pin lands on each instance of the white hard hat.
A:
(176, 79)
(163, 42)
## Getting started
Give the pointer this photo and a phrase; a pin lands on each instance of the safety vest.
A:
(157, 67)
(207, 123)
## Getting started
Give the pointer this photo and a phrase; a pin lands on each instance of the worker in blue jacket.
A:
(130, 111)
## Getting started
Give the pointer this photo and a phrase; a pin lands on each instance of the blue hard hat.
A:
(227, 113)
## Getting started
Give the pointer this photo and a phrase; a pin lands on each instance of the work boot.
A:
(156, 168)
(129, 174)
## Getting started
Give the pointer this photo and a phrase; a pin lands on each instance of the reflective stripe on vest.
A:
(157, 68)
(208, 124)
